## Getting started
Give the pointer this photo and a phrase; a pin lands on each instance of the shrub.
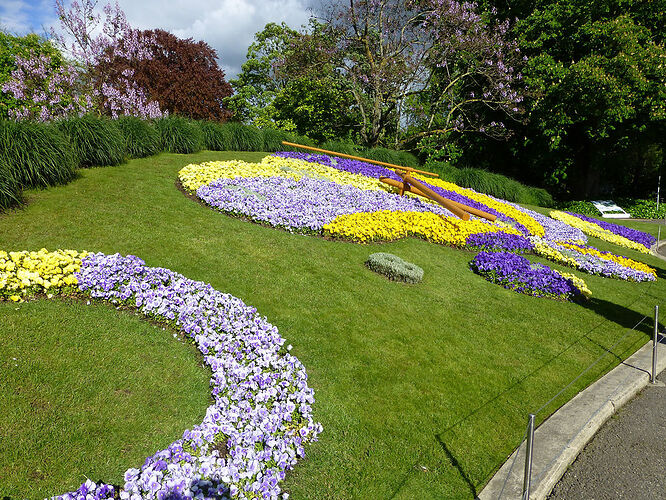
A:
(578, 207)
(10, 191)
(244, 137)
(346, 148)
(407, 159)
(643, 209)
(394, 268)
(179, 135)
(380, 154)
(540, 197)
(273, 140)
(215, 136)
(97, 141)
(141, 138)
(37, 155)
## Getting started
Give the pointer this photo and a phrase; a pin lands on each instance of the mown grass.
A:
(88, 391)
(422, 390)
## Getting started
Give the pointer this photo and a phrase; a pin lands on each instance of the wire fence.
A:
(659, 337)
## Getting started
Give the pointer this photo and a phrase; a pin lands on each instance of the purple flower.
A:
(645, 239)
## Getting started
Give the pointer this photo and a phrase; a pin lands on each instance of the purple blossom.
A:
(306, 204)
(262, 410)
(499, 242)
(517, 273)
(645, 239)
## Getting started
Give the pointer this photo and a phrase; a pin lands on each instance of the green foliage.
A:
(318, 108)
(347, 148)
(497, 185)
(179, 135)
(578, 207)
(273, 140)
(643, 209)
(10, 191)
(12, 46)
(37, 155)
(97, 141)
(244, 137)
(394, 268)
(216, 137)
(257, 83)
(141, 138)
(598, 103)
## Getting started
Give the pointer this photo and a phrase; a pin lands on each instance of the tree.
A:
(258, 82)
(93, 49)
(36, 80)
(180, 74)
(431, 63)
(597, 101)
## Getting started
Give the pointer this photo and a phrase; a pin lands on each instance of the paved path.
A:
(627, 457)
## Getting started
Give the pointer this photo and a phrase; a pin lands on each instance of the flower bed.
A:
(592, 228)
(499, 242)
(592, 261)
(262, 414)
(640, 237)
(517, 273)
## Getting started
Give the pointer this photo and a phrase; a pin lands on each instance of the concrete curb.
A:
(559, 440)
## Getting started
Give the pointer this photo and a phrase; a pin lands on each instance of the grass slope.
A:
(422, 390)
(87, 390)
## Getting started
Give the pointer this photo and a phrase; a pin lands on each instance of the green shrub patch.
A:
(141, 138)
(179, 135)
(394, 268)
(97, 141)
(36, 155)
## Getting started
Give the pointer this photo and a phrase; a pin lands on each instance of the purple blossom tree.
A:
(416, 68)
(90, 42)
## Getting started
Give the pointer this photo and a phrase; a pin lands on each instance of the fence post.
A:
(527, 479)
(655, 343)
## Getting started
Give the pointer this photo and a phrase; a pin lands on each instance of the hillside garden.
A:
(358, 341)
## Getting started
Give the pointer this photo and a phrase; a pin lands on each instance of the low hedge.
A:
(394, 268)
(97, 141)
(140, 136)
(36, 155)
(179, 135)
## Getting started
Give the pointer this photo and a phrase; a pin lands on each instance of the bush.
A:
(36, 155)
(346, 148)
(394, 268)
(10, 191)
(497, 185)
(141, 138)
(179, 135)
(643, 209)
(273, 140)
(407, 159)
(215, 136)
(97, 141)
(244, 137)
(579, 207)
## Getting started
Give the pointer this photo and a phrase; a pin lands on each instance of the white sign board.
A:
(610, 210)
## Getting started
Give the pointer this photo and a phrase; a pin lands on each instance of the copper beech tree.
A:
(181, 75)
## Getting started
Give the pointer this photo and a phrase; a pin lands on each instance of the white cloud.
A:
(226, 25)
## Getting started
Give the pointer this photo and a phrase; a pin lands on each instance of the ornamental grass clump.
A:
(97, 141)
(141, 138)
(394, 268)
(10, 191)
(179, 135)
(244, 137)
(215, 136)
(37, 155)
(517, 273)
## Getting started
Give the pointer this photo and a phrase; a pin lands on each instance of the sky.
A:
(226, 25)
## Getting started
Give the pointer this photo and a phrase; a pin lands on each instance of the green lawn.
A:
(423, 390)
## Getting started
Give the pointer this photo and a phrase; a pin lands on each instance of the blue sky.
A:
(227, 25)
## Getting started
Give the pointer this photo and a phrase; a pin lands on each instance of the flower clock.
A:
(261, 417)
(344, 199)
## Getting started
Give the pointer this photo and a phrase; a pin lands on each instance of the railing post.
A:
(655, 343)
(527, 479)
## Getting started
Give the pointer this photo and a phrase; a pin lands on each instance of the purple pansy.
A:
(261, 417)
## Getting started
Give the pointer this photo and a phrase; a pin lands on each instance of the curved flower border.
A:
(261, 417)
